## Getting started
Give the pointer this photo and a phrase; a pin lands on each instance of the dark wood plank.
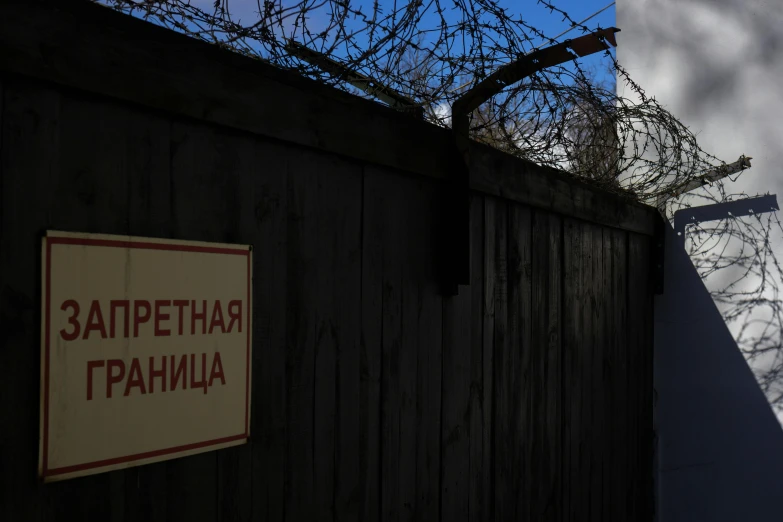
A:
(547, 407)
(316, 360)
(29, 164)
(634, 382)
(607, 454)
(594, 431)
(646, 401)
(371, 413)
(268, 421)
(403, 365)
(423, 326)
(585, 367)
(404, 358)
(336, 219)
(648, 398)
(420, 383)
(397, 468)
(302, 241)
(146, 492)
(458, 390)
(514, 416)
(399, 216)
(616, 378)
(633, 386)
(345, 207)
(324, 215)
(477, 416)
(639, 346)
(234, 475)
(496, 332)
(576, 334)
(159, 68)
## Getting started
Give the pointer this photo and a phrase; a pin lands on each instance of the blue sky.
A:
(553, 24)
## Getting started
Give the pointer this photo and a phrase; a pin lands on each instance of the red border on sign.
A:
(46, 472)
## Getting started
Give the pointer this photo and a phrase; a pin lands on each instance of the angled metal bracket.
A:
(456, 269)
(694, 215)
(717, 211)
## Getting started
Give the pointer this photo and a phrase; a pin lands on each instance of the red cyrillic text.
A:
(73, 320)
(114, 319)
(133, 380)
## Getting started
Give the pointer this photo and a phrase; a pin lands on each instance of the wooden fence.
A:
(526, 397)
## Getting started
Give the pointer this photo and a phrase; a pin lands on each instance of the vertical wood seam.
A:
(363, 195)
(381, 399)
(629, 345)
(443, 306)
(562, 369)
(2, 177)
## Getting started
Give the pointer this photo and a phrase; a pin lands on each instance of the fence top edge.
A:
(88, 47)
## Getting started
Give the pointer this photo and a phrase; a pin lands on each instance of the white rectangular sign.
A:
(145, 351)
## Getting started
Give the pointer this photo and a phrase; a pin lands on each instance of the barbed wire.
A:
(433, 50)
(566, 117)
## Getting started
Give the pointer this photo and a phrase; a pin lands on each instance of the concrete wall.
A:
(716, 64)
(720, 447)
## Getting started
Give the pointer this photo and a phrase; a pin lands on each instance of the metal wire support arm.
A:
(457, 234)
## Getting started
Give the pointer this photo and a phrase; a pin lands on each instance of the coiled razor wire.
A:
(432, 51)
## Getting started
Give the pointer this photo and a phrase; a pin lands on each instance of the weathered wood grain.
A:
(515, 423)
(616, 382)
(494, 290)
(595, 391)
(335, 295)
(397, 408)
(29, 166)
(330, 215)
(546, 368)
(576, 336)
(633, 415)
(302, 237)
(269, 419)
(423, 322)
(477, 428)
(323, 297)
(459, 438)
(497, 334)
(371, 412)
(343, 209)
(640, 350)
(402, 271)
